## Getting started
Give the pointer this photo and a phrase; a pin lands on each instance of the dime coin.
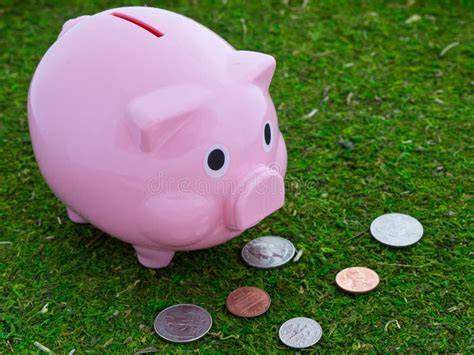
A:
(396, 230)
(248, 302)
(183, 323)
(268, 252)
(300, 332)
(357, 279)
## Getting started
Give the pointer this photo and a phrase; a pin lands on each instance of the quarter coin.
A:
(248, 302)
(357, 279)
(300, 332)
(396, 230)
(183, 323)
(268, 252)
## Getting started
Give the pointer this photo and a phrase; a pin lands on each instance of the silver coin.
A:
(183, 323)
(396, 230)
(300, 332)
(268, 252)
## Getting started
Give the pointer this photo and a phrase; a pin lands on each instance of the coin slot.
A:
(139, 23)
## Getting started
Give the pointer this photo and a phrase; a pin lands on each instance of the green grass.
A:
(377, 82)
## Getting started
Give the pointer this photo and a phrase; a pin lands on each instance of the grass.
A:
(377, 82)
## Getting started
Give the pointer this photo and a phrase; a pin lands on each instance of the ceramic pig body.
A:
(157, 131)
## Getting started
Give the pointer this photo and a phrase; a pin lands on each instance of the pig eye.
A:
(217, 160)
(267, 137)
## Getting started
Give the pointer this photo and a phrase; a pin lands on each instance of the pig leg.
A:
(73, 216)
(153, 258)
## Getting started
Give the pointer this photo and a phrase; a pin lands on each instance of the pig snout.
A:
(258, 195)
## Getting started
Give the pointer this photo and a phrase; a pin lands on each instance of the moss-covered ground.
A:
(393, 86)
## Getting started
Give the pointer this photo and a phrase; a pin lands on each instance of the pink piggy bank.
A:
(157, 131)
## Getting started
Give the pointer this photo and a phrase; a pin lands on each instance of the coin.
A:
(268, 252)
(396, 230)
(183, 323)
(248, 302)
(357, 279)
(300, 332)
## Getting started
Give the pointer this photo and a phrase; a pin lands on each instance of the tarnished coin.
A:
(357, 279)
(248, 302)
(300, 332)
(268, 252)
(396, 230)
(183, 323)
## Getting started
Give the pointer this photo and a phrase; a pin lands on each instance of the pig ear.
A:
(71, 23)
(252, 67)
(157, 116)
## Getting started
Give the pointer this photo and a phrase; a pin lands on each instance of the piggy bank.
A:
(157, 131)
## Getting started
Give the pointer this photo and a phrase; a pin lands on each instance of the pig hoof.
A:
(153, 258)
(73, 216)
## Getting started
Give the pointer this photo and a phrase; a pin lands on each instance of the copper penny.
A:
(248, 302)
(357, 279)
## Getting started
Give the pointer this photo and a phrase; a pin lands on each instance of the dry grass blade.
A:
(448, 48)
